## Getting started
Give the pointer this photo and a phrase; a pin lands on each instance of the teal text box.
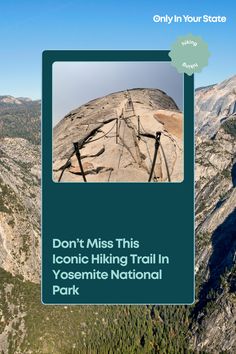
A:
(159, 215)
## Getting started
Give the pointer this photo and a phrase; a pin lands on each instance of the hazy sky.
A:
(29, 27)
(76, 83)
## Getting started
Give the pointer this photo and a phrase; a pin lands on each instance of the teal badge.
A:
(189, 54)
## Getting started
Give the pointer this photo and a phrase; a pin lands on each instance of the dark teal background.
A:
(159, 215)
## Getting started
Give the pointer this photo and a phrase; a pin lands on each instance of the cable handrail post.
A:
(133, 107)
(138, 127)
(117, 132)
(157, 144)
(77, 152)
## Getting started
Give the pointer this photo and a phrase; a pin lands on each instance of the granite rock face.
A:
(20, 207)
(121, 130)
(213, 324)
(214, 104)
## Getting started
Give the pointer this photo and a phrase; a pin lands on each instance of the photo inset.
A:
(117, 122)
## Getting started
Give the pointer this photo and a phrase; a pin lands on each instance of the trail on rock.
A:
(117, 142)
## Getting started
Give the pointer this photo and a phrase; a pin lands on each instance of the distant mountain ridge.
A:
(204, 87)
(8, 99)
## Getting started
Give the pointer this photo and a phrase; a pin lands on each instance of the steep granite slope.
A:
(119, 131)
(19, 207)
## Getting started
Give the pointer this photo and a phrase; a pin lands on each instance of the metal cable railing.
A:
(78, 145)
